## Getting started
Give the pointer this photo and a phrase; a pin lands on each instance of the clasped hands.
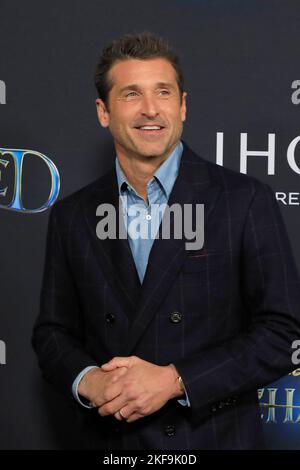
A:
(129, 387)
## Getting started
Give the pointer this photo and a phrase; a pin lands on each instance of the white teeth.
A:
(150, 127)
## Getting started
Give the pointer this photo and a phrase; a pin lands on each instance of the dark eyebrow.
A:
(135, 86)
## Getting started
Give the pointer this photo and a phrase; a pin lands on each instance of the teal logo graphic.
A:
(18, 157)
(280, 402)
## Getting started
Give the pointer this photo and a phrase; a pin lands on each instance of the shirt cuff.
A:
(185, 401)
(75, 387)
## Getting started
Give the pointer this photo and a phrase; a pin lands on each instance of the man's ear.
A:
(183, 106)
(102, 112)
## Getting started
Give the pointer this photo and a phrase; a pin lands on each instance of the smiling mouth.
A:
(150, 129)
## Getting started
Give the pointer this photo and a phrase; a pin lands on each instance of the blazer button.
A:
(170, 430)
(175, 317)
(110, 318)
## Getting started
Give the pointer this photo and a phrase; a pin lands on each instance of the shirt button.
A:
(175, 317)
(170, 430)
(148, 217)
(110, 318)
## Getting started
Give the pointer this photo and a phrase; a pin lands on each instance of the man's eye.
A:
(131, 93)
(164, 92)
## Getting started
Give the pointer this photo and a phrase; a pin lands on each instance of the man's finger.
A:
(110, 408)
(128, 411)
(116, 362)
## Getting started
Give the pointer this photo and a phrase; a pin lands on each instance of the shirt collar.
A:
(166, 174)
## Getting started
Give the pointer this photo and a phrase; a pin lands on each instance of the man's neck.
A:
(139, 171)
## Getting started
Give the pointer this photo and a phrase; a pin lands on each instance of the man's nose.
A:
(149, 106)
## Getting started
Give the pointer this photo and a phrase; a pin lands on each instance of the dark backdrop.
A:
(241, 62)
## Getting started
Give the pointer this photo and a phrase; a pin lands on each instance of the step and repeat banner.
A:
(242, 75)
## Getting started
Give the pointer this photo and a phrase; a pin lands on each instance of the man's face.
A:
(144, 93)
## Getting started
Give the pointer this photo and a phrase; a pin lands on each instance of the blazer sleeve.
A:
(57, 334)
(261, 353)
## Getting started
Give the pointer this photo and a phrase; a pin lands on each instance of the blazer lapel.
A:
(113, 255)
(193, 185)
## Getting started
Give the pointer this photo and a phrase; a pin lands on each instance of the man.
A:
(161, 346)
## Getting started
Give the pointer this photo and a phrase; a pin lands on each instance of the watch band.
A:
(181, 384)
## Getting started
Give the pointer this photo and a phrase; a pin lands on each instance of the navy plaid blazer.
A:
(225, 315)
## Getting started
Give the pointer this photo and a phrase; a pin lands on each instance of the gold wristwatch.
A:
(181, 385)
